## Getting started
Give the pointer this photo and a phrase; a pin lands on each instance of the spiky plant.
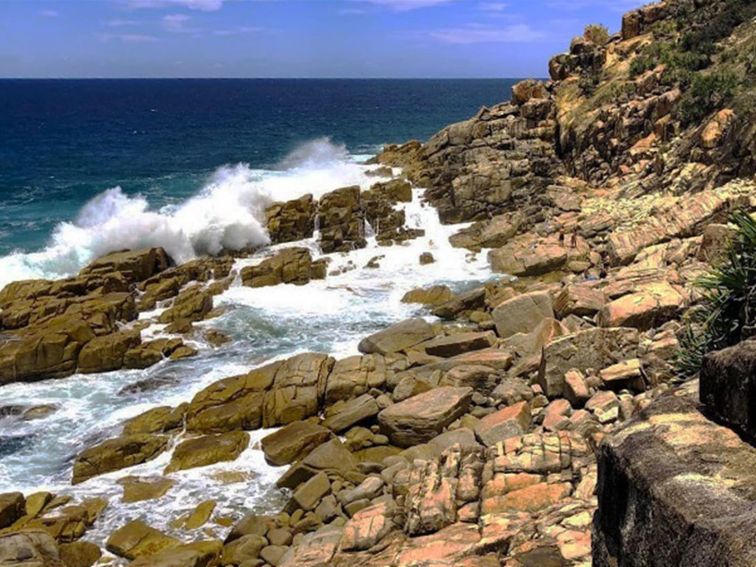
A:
(727, 312)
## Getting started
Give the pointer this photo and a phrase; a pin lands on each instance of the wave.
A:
(227, 213)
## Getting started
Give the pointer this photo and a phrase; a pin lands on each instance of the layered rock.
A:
(289, 266)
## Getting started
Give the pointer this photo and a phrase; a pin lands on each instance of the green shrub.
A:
(597, 34)
(706, 94)
(727, 313)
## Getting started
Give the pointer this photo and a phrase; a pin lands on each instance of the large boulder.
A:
(588, 349)
(293, 442)
(116, 454)
(398, 337)
(195, 554)
(355, 375)
(579, 299)
(208, 450)
(341, 220)
(32, 548)
(289, 266)
(11, 508)
(344, 415)
(511, 421)
(137, 539)
(106, 353)
(645, 309)
(728, 386)
(291, 220)
(675, 488)
(136, 265)
(457, 343)
(490, 233)
(522, 313)
(192, 304)
(422, 417)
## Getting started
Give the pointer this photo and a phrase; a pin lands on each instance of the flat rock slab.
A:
(208, 450)
(292, 442)
(675, 488)
(422, 417)
(398, 337)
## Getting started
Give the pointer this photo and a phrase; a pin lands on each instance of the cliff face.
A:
(665, 105)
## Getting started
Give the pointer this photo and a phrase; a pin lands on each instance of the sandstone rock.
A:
(664, 474)
(522, 313)
(195, 554)
(157, 420)
(331, 457)
(351, 413)
(137, 539)
(397, 337)
(115, 454)
(716, 128)
(291, 220)
(457, 343)
(605, 405)
(148, 353)
(424, 416)
(526, 90)
(245, 548)
(728, 386)
(208, 450)
(315, 549)
(192, 304)
(575, 388)
(468, 301)
(293, 442)
(106, 353)
(432, 296)
(627, 374)
(446, 547)
(654, 305)
(491, 233)
(135, 265)
(11, 508)
(426, 258)
(29, 548)
(480, 378)
(592, 348)
(530, 499)
(79, 554)
(341, 220)
(511, 421)
(367, 527)
(355, 375)
(309, 493)
(289, 266)
(136, 489)
(580, 299)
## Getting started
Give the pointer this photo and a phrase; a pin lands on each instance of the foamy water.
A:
(329, 315)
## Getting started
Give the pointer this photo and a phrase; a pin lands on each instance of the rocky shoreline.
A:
(533, 420)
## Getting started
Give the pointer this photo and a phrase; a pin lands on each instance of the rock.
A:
(528, 255)
(654, 305)
(491, 233)
(432, 296)
(684, 484)
(310, 493)
(728, 386)
(509, 422)
(273, 554)
(527, 90)
(293, 442)
(195, 554)
(605, 405)
(351, 413)
(397, 337)
(426, 258)
(457, 343)
(355, 375)
(627, 374)
(341, 220)
(592, 348)
(395, 191)
(157, 420)
(12, 507)
(330, 457)
(245, 548)
(106, 353)
(480, 378)
(80, 554)
(716, 128)
(424, 416)
(136, 266)
(137, 539)
(291, 220)
(136, 489)
(195, 518)
(192, 304)
(289, 266)
(522, 313)
(317, 548)
(716, 243)
(251, 524)
(367, 527)
(530, 499)
(116, 454)
(208, 450)
(148, 353)
(556, 415)
(448, 546)
(512, 390)
(579, 299)
(468, 301)
(32, 548)
(575, 388)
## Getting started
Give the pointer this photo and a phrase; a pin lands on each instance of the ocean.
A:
(87, 167)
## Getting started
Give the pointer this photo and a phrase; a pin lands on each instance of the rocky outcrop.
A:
(116, 454)
(341, 220)
(675, 488)
(289, 266)
(291, 220)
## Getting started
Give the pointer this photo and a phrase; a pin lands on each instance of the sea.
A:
(92, 166)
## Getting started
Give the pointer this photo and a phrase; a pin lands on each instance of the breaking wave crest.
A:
(227, 213)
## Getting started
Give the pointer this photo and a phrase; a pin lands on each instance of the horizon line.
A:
(269, 78)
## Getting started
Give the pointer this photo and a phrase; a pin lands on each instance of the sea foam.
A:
(227, 213)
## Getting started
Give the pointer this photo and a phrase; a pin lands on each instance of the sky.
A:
(293, 38)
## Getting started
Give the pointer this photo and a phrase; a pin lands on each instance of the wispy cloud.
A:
(49, 13)
(238, 31)
(128, 37)
(117, 23)
(479, 33)
(495, 7)
(202, 5)
(406, 5)
(176, 23)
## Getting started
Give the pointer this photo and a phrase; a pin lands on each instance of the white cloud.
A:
(406, 5)
(128, 37)
(120, 23)
(49, 13)
(202, 5)
(477, 33)
(176, 23)
(238, 31)
(495, 7)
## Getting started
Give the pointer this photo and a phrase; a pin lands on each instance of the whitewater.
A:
(264, 324)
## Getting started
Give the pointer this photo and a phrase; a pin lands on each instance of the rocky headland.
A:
(536, 420)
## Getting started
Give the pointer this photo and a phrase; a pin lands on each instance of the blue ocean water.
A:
(62, 142)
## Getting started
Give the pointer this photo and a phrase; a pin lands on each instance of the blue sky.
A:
(292, 38)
